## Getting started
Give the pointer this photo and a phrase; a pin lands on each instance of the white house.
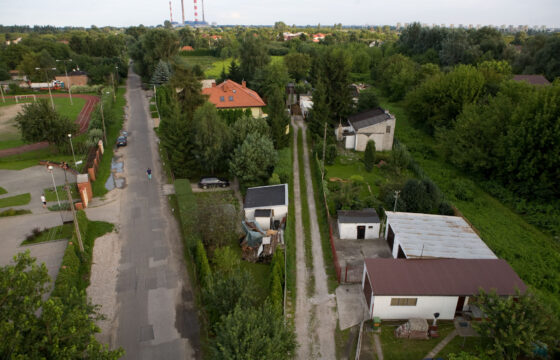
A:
(265, 203)
(411, 235)
(375, 124)
(403, 289)
(358, 224)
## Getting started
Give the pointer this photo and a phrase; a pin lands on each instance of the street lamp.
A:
(48, 84)
(55, 191)
(72, 147)
(67, 80)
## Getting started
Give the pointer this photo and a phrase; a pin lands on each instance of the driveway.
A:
(14, 229)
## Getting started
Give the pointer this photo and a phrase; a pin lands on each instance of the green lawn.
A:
(3, 191)
(409, 349)
(211, 65)
(50, 195)
(14, 212)
(55, 233)
(534, 255)
(17, 200)
(470, 345)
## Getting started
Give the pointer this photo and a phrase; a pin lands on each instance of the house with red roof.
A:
(187, 48)
(231, 95)
(318, 37)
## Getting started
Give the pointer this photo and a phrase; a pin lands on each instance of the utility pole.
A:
(67, 80)
(48, 83)
(76, 225)
(2, 93)
(397, 192)
(324, 150)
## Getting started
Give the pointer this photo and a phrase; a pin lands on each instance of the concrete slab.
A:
(352, 308)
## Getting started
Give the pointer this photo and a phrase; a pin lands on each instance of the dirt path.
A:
(303, 310)
(324, 303)
(83, 122)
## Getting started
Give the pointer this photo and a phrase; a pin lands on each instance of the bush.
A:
(14, 212)
(202, 266)
(76, 89)
(400, 156)
(369, 156)
(274, 179)
(277, 281)
(463, 189)
(69, 274)
(445, 208)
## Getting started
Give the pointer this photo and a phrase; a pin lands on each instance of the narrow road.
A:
(303, 312)
(156, 318)
(315, 317)
(324, 303)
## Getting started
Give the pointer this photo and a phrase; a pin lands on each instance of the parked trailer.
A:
(54, 85)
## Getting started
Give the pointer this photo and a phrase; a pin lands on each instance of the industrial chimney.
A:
(183, 12)
(170, 13)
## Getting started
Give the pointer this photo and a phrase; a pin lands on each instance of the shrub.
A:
(400, 156)
(369, 155)
(445, 208)
(202, 266)
(330, 154)
(274, 179)
(277, 281)
(463, 189)
(14, 212)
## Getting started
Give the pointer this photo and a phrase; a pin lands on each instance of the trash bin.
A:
(376, 321)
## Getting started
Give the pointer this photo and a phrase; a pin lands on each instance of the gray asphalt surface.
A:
(156, 318)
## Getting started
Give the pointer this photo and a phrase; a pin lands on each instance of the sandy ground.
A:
(7, 115)
(103, 282)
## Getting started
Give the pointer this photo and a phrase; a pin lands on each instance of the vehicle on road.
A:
(209, 182)
(124, 133)
(121, 141)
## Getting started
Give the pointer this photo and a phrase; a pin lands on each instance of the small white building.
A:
(411, 235)
(358, 224)
(266, 204)
(375, 124)
(305, 104)
(402, 289)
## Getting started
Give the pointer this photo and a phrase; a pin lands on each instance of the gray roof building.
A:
(357, 216)
(263, 196)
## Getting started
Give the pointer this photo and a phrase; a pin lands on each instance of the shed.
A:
(358, 224)
(272, 198)
(403, 289)
(412, 235)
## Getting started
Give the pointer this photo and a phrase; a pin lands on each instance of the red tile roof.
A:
(230, 94)
(532, 79)
(444, 277)
(187, 48)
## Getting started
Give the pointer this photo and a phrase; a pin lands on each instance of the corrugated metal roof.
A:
(444, 277)
(437, 236)
(357, 216)
(368, 118)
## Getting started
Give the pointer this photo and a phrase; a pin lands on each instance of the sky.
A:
(267, 12)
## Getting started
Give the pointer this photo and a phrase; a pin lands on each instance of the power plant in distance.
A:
(184, 22)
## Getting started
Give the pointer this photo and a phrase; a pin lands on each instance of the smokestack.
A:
(195, 11)
(183, 11)
(170, 13)
(203, 20)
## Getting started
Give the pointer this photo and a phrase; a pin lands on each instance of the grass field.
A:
(211, 65)
(3, 191)
(31, 158)
(534, 255)
(17, 200)
(50, 195)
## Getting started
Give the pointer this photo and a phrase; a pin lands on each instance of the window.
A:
(403, 301)
(370, 227)
(230, 98)
(222, 98)
(388, 130)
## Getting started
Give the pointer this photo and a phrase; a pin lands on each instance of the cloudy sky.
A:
(266, 12)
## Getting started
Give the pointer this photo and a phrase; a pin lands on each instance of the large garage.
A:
(413, 236)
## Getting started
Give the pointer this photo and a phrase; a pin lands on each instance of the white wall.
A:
(350, 231)
(425, 307)
(349, 141)
(264, 222)
(280, 212)
(378, 133)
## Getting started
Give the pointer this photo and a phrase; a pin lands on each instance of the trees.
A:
(39, 122)
(514, 325)
(421, 196)
(220, 223)
(367, 100)
(235, 336)
(211, 138)
(247, 125)
(64, 328)
(254, 160)
(369, 155)
(189, 97)
(398, 75)
(298, 65)
(162, 73)
(253, 55)
(154, 45)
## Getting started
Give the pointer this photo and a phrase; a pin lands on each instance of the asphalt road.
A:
(156, 318)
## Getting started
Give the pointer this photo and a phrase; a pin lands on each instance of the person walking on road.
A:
(44, 200)
(149, 172)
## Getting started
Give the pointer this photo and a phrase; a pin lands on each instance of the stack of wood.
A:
(413, 329)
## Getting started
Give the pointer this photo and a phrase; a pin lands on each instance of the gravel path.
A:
(303, 311)
(325, 304)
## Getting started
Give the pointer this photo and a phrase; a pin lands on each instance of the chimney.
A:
(183, 12)
(244, 83)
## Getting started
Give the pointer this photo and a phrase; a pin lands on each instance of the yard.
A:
(16, 200)
(211, 65)
(534, 255)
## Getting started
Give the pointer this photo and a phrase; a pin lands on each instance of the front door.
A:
(460, 304)
(361, 232)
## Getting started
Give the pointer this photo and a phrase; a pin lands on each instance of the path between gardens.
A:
(83, 122)
(315, 316)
